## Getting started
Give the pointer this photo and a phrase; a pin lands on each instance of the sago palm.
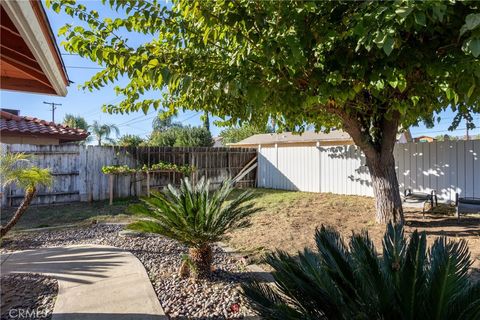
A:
(351, 281)
(15, 168)
(197, 216)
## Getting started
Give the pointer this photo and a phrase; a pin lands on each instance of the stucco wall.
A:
(28, 140)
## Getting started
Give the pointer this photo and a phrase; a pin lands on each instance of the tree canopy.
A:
(238, 133)
(77, 122)
(257, 57)
(129, 140)
(181, 137)
(367, 67)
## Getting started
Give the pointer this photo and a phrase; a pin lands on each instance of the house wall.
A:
(28, 140)
(447, 167)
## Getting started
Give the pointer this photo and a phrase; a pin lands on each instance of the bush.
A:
(195, 216)
(129, 140)
(353, 282)
(181, 137)
(194, 137)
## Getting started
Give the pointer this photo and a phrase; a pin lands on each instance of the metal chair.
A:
(417, 197)
(466, 205)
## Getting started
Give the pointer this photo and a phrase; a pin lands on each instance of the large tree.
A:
(238, 133)
(368, 67)
(77, 122)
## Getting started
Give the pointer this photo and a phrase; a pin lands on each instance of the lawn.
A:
(287, 221)
(67, 214)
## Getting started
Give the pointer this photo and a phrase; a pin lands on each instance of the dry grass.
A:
(289, 219)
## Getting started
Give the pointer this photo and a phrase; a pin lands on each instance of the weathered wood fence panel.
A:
(448, 167)
(78, 176)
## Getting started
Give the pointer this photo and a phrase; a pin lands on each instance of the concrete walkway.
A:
(95, 282)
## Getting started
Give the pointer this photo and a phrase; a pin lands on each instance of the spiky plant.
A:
(351, 281)
(197, 216)
(15, 168)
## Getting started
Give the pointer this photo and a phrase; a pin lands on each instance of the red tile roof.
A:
(11, 124)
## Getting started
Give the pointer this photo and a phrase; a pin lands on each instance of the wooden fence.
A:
(78, 177)
(448, 167)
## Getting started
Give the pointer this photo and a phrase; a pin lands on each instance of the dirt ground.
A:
(66, 214)
(289, 219)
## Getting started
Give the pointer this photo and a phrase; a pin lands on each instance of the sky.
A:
(88, 104)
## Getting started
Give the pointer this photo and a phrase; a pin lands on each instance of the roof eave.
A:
(31, 22)
(340, 141)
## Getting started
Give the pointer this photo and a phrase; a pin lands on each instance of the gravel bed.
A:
(216, 298)
(27, 296)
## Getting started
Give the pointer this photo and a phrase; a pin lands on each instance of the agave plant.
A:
(196, 216)
(351, 281)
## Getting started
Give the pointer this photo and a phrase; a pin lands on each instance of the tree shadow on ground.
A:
(446, 226)
(73, 264)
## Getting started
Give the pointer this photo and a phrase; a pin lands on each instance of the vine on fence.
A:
(161, 166)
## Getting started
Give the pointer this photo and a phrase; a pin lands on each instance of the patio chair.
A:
(421, 197)
(466, 205)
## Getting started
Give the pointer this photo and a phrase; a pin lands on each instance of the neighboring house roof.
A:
(30, 59)
(308, 137)
(13, 125)
(424, 138)
(334, 136)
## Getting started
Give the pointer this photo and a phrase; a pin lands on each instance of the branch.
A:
(352, 127)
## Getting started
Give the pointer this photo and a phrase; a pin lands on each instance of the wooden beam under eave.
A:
(32, 72)
(18, 84)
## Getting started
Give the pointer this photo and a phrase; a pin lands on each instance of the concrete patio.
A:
(95, 282)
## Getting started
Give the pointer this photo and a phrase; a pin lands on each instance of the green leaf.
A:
(470, 91)
(472, 21)
(153, 63)
(393, 83)
(475, 47)
(388, 45)
(63, 30)
(402, 84)
(403, 12)
(420, 18)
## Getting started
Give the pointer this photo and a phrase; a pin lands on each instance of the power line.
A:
(54, 107)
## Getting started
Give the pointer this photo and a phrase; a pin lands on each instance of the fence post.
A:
(148, 183)
(110, 187)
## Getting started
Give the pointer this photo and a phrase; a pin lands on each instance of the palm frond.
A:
(352, 282)
(411, 288)
(447, 274)
(197, 214)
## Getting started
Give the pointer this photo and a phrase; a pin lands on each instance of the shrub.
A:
(196, 216)
(353, 282)
(129, 140)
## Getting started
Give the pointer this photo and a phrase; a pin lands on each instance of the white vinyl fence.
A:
(447, 167)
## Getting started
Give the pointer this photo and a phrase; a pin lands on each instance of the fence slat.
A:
(78, 177)
(447, 167)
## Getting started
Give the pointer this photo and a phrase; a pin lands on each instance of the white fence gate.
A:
(447, 167)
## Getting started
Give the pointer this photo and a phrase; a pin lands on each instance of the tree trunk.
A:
(385, 187)
(27, 199)
(201, 259)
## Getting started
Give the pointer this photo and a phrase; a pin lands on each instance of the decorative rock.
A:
(26, 293)
(180, 298)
